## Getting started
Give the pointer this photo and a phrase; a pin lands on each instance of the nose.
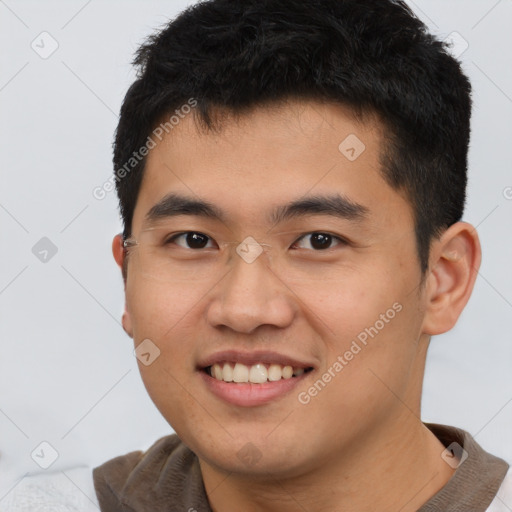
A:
(251, 295)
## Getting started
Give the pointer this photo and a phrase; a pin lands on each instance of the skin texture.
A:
(360, 440)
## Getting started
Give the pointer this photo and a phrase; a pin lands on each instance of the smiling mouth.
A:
(259, 373)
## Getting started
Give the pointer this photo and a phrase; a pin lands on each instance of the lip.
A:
(250, 358)
(248, 394)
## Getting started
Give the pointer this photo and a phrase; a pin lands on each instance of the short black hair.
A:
(374, 56)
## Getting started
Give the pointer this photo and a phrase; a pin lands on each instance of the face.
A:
(320, 309)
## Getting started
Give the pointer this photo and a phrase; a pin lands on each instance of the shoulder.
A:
(503, 500)
(69, 490)
(121, 470)
(168, 472)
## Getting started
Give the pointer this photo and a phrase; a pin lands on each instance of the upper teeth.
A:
(256, 374)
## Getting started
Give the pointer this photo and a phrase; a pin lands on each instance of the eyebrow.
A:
(335, 205)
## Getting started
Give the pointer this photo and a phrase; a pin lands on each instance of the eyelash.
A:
(340, 240)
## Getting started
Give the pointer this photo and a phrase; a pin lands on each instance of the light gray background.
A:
(67, 371)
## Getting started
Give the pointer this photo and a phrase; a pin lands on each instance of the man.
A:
(292, 179)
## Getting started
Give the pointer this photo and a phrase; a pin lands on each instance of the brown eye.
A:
(193, 240)
(319, 241)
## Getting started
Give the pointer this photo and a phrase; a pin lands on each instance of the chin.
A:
(254, 456)
(252, 462)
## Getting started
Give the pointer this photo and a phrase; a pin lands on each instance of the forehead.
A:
(270, 156)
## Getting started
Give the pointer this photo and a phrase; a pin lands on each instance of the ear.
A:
(120, 256)
(454, 262)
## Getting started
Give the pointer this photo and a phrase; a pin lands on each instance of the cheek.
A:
(370, 327)
(368, 369)
(167, 316)
(346, 307)
(157, 310)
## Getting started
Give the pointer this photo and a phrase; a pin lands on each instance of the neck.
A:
(395, 468)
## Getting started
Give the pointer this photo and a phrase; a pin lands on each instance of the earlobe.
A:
(455, 260)
(127, 323)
